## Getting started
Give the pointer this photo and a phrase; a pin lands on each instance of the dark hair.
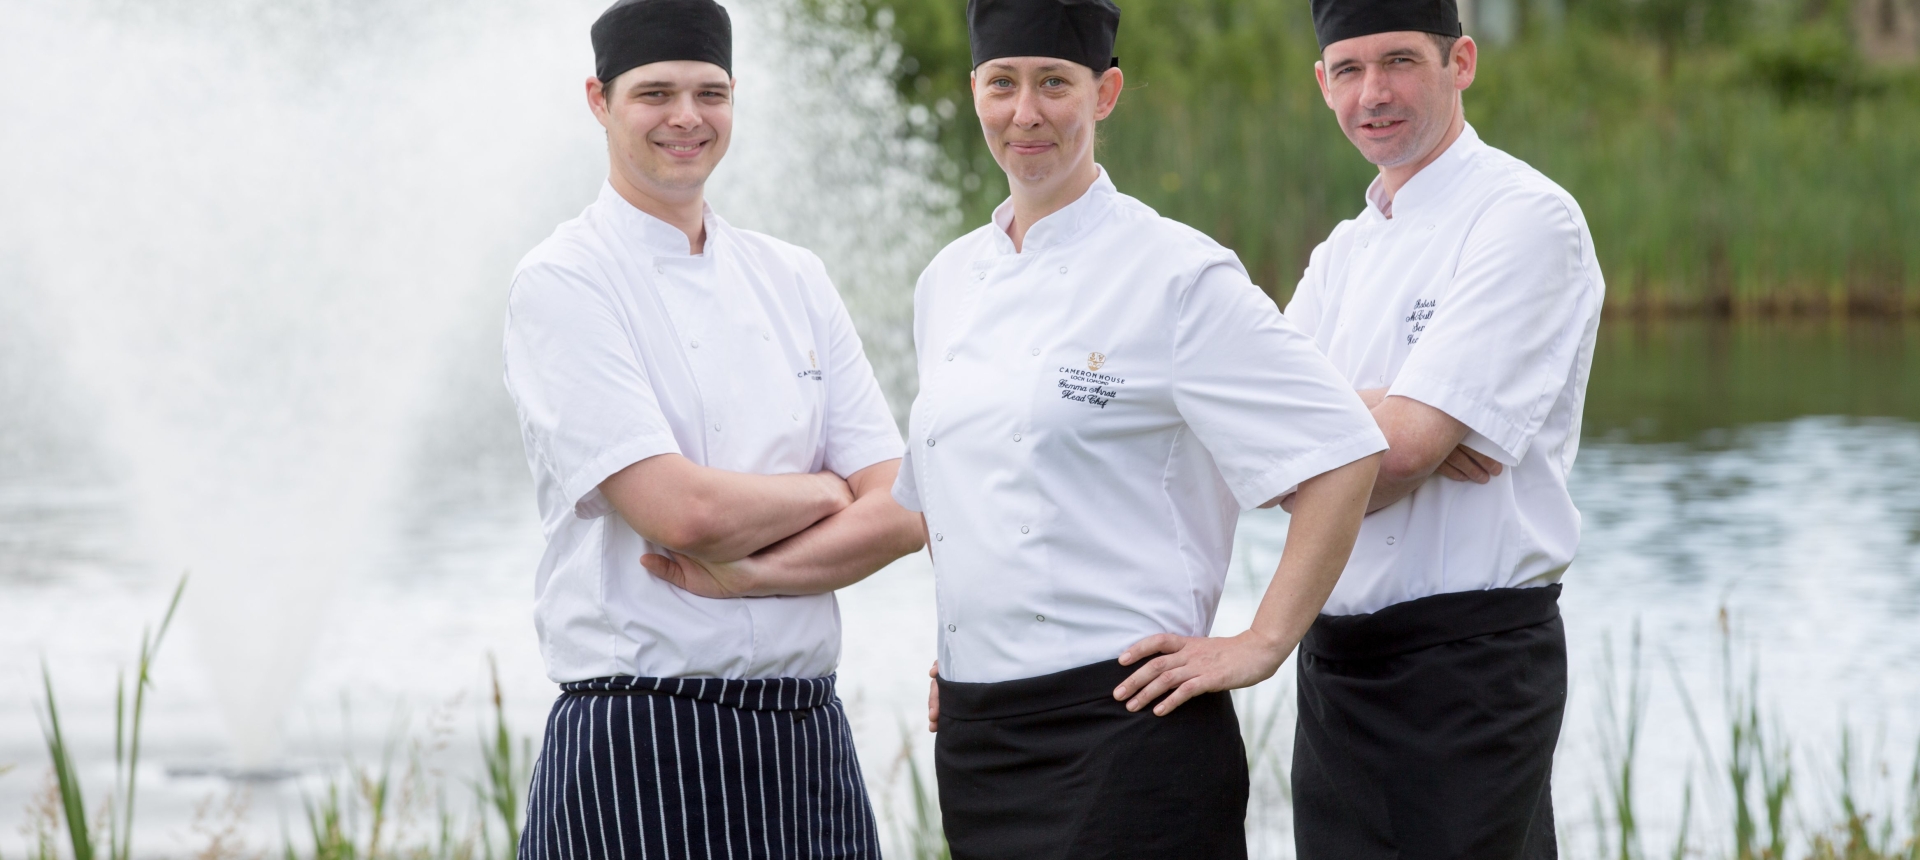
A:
(1445, 44)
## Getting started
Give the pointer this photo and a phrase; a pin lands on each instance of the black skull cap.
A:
(633, 33)
(1079, 31)
(1340, 20)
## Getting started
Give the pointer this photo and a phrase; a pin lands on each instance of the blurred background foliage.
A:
(1733, 157)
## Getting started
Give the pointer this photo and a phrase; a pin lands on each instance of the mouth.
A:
(686, 150)
(1383, 127)
(1028, 147)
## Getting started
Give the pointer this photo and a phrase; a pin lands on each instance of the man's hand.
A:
(1189, 666)
(933, 698)
(704, 578)
(1466, 464)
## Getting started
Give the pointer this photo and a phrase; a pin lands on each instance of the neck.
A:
(1392, 178)
(1036, 201)
(687, 212)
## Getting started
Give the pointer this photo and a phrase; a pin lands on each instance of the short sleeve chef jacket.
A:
(1093, 414)
(1480, 297)
(621, 346)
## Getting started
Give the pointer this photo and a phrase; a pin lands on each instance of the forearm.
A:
(1419, 438)
(1326, 519)
(844, 548)
(716, 515)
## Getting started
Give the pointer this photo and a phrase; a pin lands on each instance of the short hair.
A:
(1445, 44)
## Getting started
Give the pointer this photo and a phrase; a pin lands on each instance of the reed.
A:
(1754, 167)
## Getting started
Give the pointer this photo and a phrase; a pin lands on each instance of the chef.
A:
(1102, 392)
(1462, 303)
(693, 395)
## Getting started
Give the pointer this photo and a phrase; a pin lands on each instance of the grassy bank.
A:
(1732, 156)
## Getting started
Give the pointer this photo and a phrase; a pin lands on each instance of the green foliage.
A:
(1731, 156)
(118, 812)
(918, 833)
(508, 767)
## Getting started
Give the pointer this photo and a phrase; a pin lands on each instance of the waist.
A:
(751, 694)
(1429, 621)
(1093, 682)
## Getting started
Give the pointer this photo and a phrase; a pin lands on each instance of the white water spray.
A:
(261, 240)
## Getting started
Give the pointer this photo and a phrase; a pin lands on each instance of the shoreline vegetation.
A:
(1734, 158)
(1752, 803)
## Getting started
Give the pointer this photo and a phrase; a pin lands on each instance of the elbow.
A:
(1403, 464)
(693, 529)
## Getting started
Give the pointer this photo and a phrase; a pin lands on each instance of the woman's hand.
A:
(1189, 666)
(933, 698)
(704, 578)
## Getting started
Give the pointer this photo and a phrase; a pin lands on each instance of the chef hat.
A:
(633, 33)
(1080, 31)
(1339, 20)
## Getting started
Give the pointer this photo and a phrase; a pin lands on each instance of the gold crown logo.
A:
(811, 360)
(1096, 360)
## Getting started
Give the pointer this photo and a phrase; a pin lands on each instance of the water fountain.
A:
(258, 241)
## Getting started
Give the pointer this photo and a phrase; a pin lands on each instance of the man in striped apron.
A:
(712, 458)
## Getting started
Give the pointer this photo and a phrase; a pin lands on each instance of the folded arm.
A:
(715, 514)
(1421, 441)
(835, 552)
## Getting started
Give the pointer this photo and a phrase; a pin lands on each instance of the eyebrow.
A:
(669, 85)
(1008, 67)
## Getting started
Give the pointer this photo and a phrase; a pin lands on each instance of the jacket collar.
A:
(1429, 186)
(1061, 227)
(656, 236)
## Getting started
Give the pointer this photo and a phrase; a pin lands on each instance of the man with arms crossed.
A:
(694, 394)
(1462, 304)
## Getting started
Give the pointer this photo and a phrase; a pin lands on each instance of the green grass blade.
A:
(72, 801)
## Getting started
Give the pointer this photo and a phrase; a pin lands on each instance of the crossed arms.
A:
(734, 534)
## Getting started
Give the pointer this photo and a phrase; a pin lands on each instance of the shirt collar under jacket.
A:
(657, 236)
(1430, 183)
(1061, 227)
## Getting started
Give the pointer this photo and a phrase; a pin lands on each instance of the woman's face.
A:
(1039, 113)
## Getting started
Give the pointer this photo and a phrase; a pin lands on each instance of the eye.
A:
(1054, 82)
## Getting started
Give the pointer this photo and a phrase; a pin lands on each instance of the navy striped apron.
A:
(698, 768)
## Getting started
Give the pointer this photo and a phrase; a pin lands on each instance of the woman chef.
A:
(1102, 391)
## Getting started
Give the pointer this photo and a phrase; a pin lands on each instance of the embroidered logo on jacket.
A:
(1417, 321)
(813, 374)
(1093, 389)
(1096, 360)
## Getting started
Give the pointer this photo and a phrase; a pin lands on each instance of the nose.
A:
(1026, 109)
(684, 115)
(1374, 91)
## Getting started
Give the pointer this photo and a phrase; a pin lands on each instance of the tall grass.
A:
(117, 813)
(1751, 167)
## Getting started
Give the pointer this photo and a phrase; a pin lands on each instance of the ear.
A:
(1466, 62)
(1320, 75)
(1111, 82)
(597, 100)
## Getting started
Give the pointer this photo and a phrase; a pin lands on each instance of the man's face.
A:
(667, 123)
(1039, 113)
(1393, 94)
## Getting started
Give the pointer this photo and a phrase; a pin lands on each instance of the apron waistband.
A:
(1429, 621)
(1003, 699)
(750, 694)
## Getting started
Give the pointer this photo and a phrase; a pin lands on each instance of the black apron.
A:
(1426, 730)
(1051, 768)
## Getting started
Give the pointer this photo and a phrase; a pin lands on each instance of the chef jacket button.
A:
(694, 344)
(766, 336)
(716, 428)
(929, 443)
(1036, 352)
(1389, 540)
(1016, 437)
(949, 356)
(659, 269)
(1025, 530)
(1039, 617)
(1063, 270)
(796, 416)
(951, 628)
(939, 537)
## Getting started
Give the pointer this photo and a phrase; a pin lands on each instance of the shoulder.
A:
(1516, 198)
(779, 252)
(570, 261)
(1136, 230)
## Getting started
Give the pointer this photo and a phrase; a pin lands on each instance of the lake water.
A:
(1770, 470)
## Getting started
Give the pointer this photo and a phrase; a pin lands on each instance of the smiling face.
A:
(1038, 115)
(668, 125)
(1396, 94)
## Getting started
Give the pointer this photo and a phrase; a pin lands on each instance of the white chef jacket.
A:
(1480, 297)
(1093, 414)
(621, 346)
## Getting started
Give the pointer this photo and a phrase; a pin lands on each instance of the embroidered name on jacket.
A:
(814, 372)
(1084, 386)
(1417, 321)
